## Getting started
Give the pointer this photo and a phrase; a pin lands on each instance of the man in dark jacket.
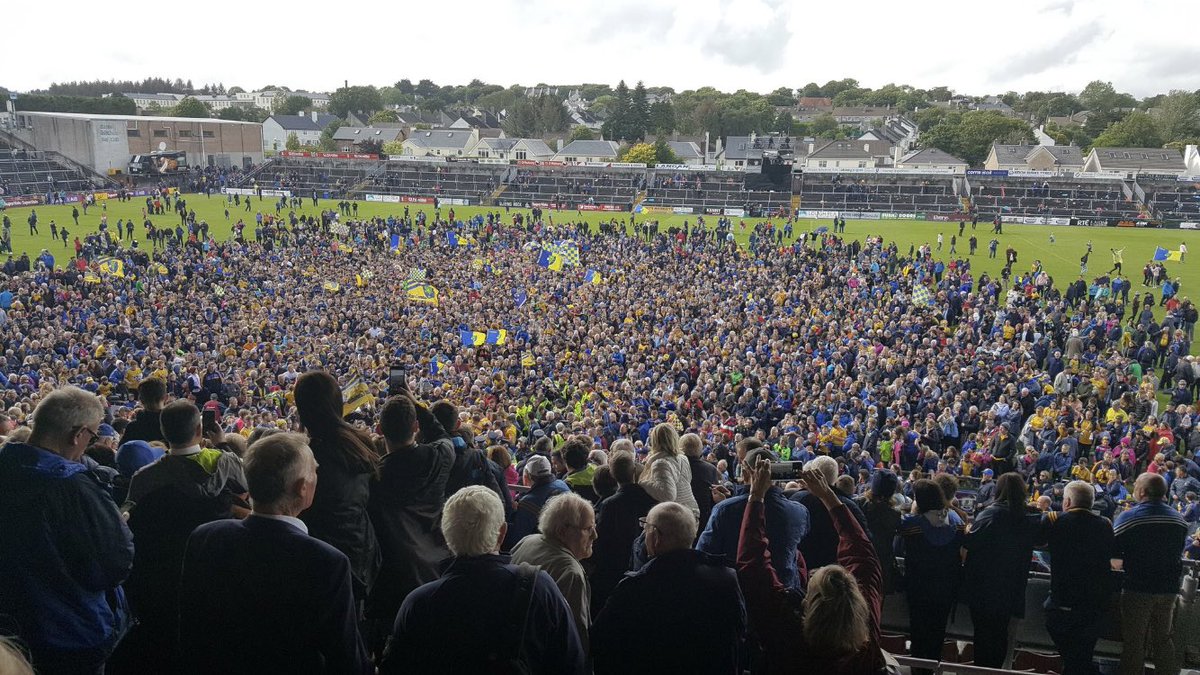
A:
(694, 593)
(1150, 537)
(1081, 547)
(261, 595)
(146, 425)
(617, 527)
(819, 545)
(471, 465)
(542, 486)
(483, 597)
(704, 475)
(64, 548)
(406, 508)
(168, 499)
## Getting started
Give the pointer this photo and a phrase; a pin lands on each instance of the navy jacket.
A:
(1081, 549)
(617, 529)
(64, 551)
(787, 524)
(454, 624)
(1150, 539)
(821, 544)
(261, 596)
(999, 551)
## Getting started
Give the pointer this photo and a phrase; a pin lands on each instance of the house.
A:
(815, 103)
(584, 118)
(512, 148)
(476, 119)
(1073, 120)
(900, 131)
(441, 143)
(306, 126)
(588, 151)
(153, 101)
(996, 104)
(350, 139)
(848, 154)
(414, 118)
(688, 151)
(1034, 158)
(862, 114)
(221, 102)
(931, 158)
(1136, 160)
(1191, 157)
(268, 98)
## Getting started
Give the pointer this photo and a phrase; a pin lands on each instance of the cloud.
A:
(1065, 50)
(1064, 6)
(627, 20)
(752, 33)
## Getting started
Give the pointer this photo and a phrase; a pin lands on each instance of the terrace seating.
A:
(1172, 200)
(1050, 197)
(302, 176)
(473, 182)
(35, 173)
(714, 190)
(883, 193)
(573, 186)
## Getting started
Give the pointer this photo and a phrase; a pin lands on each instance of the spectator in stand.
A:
(168, 499)
(668, 476)
(617, 528)
(787, 524)
(883, 522)
(835, 627)
(704, 475)
(516, 612)
(820, 545)
(692, 592)
(64, 548)
(579, 470)
(262, 595)
(1081, 547)
(406, 508)
(999, 547)
(542, 486)
(347, 463)
(152, 395)
(1149, 538)
(931, 539)
(567, 531)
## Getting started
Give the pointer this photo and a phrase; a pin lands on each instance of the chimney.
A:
(314, 116)
(559, 145)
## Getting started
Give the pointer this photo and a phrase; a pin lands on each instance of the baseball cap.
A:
(133, 455)
(106, 431)
(988, 472)
(537, 466)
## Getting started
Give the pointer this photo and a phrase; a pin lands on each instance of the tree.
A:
(236, 90)
(425, 88)
(662, 118)
(602, 106)
(292, 105)
(824, 126)
(233, 113)
(1137, 130)
(784, 123)
(370, 146)
(617, 126)
(641, 152)
(327, 144)
(406, 87)
(551, 115)
(190, 107)
(663, 154)
(781, 97)
(383, 117)
(111, 105)
(970, 135)
(581, 133)
(811, 90)
(1179, 116)
(639, 113)
(522, 120)
(293, 142)
(362, 100)
(1101, 97)
(393, 148)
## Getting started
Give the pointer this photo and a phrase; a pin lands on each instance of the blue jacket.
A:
(64, 551)
(1150, 540)
(787, 524)
(525, 519)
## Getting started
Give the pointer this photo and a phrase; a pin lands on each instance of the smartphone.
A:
(397, 378)
(208, 421)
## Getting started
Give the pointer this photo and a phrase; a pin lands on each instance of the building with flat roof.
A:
(107, 142)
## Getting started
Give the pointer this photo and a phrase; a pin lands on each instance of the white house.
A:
(931, 158)
(441, 143)
(267, 99)
(216, 103)
(588, 151)
(306, 126)
(849, 155)
(349, 139)
(688, 151)
(153, 101)
(512, 148)
(1034, 158)
(1136, 160)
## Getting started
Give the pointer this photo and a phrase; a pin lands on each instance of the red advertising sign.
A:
(328, 155)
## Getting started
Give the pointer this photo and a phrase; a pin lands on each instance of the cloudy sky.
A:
(1141, 46)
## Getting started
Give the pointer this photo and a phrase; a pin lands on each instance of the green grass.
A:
(1032, 242)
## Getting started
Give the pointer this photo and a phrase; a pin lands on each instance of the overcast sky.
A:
(1143, 46)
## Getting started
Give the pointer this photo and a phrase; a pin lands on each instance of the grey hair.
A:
(826, 465)
(1081, 493)
(619, 445)
(564, 510)
(676, 525)
(274, 465)
(65, 409)
(690, 445)
(471, 521)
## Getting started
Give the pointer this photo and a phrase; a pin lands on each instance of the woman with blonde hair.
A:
(837, 621)
(668, 476)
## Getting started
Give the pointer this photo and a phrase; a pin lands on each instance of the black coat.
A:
(820, 546)
(616, 529)
(704, 476)
(260, 596)
(694, 594)
(144, 427)
(999, 550)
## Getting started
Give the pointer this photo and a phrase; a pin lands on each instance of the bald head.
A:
(1150, 487)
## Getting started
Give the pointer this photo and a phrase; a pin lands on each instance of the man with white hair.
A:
(820, 545)
(64, 548)
(261, 595)
(567, 526)
(1081, 545)
(510, 612)
(691, 597)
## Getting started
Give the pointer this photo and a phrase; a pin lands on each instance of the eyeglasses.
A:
(646, 523)
(94, 434)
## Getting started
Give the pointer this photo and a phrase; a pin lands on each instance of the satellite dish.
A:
(162, 145)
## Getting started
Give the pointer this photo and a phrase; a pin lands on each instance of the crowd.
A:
(641, 424)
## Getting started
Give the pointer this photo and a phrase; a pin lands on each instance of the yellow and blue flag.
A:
(439, 364)
(921, 296)
(355, 395)
(569, 251)
(471, 338)
(592, 277)
(496, 337)
(419, 291)
(550, 260)
(1161, 254)
(112, 266)
(1175, 256)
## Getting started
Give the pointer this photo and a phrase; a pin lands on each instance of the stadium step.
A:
(966, 204)
(496, 193)
(795, 203)
(641, 197)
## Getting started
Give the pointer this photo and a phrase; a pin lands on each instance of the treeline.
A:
(150, 85)
(112, 105)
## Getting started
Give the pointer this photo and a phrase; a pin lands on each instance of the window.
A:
(483, 154)
(862, 165)
(208, 134)
(521, 154)
(821, 164)
(185, 133)
(133, 133)
(160, 133)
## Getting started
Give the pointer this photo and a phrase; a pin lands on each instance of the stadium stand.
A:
(333, 177)
(1171, 199)
(460, 180)
(26, 172)
(571, 186)
(1052, 197)
(933, 193)
(715, 190)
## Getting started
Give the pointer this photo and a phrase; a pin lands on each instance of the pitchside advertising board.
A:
(327, 155)
(252, 191)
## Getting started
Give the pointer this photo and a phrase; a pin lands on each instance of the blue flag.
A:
(520, 296)
(1161, 254)
(395, 241)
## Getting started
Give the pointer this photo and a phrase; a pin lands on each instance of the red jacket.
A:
(775, 612)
